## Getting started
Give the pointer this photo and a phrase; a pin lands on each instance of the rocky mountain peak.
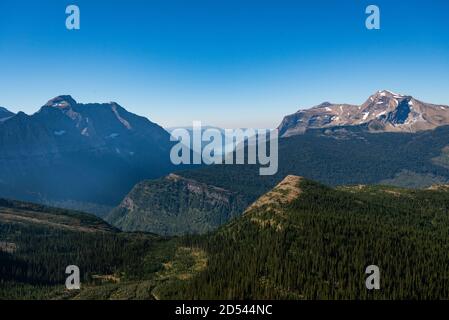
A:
(385, 98)
(62, 102)
(387, 93)
(97, 151)
(383, 111)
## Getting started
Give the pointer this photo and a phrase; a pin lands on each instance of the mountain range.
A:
(103, 159)
(221, 150)
(384, 111)
(335, 156)
(337, 204)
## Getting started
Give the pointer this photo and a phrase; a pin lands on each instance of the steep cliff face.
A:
(175, 205)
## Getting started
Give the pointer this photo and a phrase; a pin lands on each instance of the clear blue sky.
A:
(231, 63)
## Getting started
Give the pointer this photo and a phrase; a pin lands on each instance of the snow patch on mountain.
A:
(123, 121)
(385, 110)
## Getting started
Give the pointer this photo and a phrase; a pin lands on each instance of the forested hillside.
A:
(175, 205)
(301, 240)
(333, 156)
(37, 243)
(344, 156)
(309, 241)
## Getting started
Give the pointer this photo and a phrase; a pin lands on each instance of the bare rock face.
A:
(384, 111)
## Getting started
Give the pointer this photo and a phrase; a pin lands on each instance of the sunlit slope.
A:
(303, 240)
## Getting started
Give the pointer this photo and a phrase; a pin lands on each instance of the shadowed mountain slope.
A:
(79, 155)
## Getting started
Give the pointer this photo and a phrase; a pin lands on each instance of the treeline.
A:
(42, 255)
(321, 244)
(325, 158)
(316, 247)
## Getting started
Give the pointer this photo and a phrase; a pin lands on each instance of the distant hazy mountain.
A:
(75, 153)
(224, 147)
(5, 114)
(383, 111)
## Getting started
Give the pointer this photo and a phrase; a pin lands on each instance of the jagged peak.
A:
(385, 94)
(63, 101)
(388, 92)
(385, 99)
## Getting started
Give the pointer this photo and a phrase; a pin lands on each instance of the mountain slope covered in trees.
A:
(37, 243)
(304, 240)
(175, 205)
(301, 240)
(333, 156)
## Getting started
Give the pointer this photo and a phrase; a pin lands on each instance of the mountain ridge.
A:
(413, 160)
(74, 152)
(384, 111)
(5, 114)
(264, 254)
(318, 245)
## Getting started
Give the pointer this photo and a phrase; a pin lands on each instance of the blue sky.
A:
(225, 62)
